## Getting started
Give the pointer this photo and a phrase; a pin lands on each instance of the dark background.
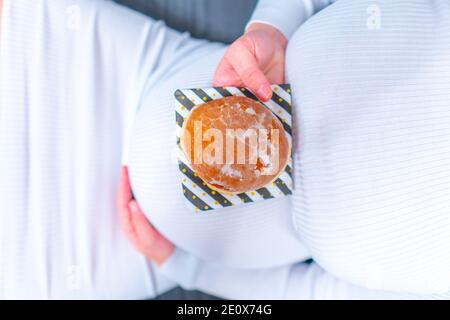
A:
(216, 20)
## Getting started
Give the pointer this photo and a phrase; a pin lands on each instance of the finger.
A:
(246, 66)
(150, 242)
(276, 75)
(124, 194)
(124, 197)
(143, 229)
(129, 227)
(225, 75)
(125, 221)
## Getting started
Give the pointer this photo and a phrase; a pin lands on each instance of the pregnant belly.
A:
(373, 203)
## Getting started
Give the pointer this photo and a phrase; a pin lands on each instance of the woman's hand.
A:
(144, 237)
(255, 60)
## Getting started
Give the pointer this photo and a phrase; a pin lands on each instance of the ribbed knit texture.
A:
(371, 164)
(67, 89)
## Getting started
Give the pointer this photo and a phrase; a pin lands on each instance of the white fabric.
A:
(371, 167)
(72, 73)
(300, 281)
(287, 15)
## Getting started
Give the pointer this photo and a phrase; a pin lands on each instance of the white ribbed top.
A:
(71, 75)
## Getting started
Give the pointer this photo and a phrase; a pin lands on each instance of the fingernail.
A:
(264, 92)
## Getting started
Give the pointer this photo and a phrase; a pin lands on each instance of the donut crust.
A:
(237, 113)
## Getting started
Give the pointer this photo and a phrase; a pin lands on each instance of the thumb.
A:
(246, 66)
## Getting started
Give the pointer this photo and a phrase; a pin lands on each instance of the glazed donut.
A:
(235, 144)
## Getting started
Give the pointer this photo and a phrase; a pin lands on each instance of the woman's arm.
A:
(138, 230)
(296, 281)
(287, 15)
